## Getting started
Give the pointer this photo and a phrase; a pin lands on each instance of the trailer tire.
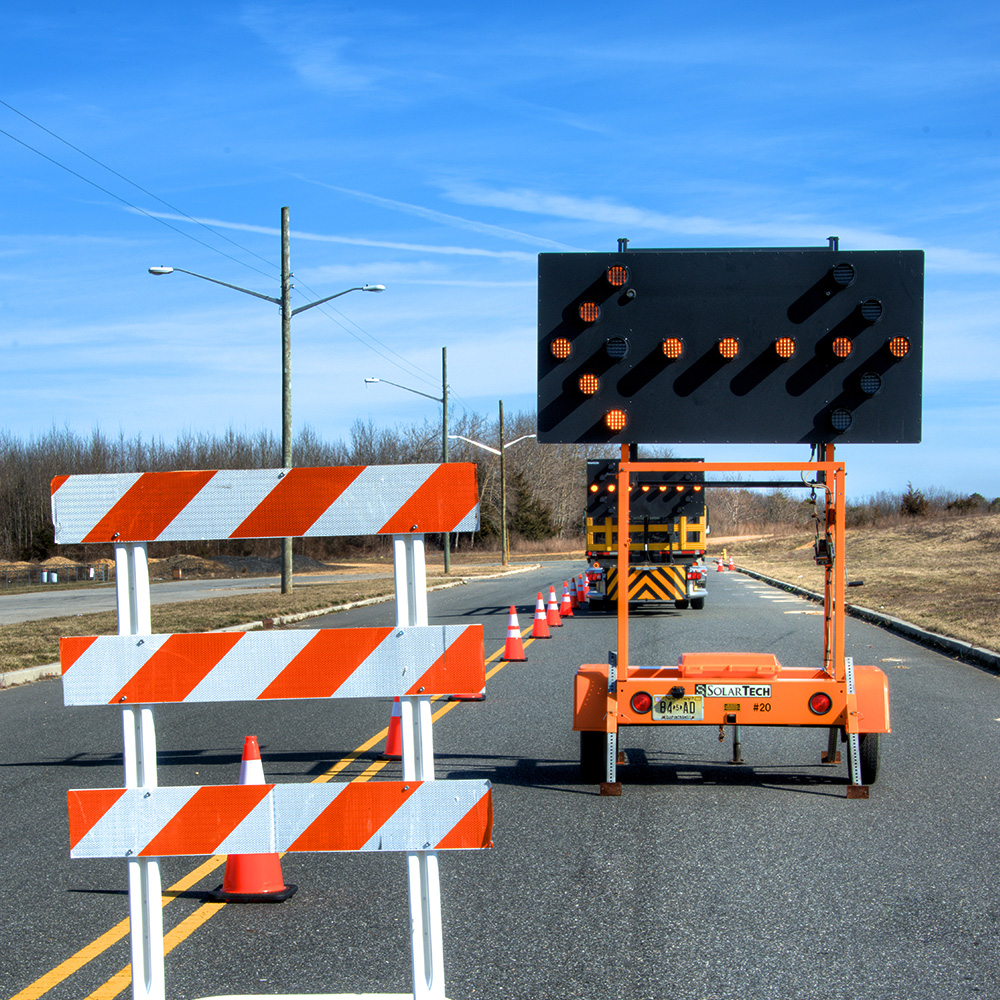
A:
(593, 755)
(869, 757)
(697, 603)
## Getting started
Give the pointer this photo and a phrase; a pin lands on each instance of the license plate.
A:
(690, 708)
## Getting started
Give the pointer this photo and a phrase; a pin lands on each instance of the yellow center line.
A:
(120, 981)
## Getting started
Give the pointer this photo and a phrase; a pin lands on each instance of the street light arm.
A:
(426, 395)
(215, 281)
(358, 288)
(478, 444)
(524, 437)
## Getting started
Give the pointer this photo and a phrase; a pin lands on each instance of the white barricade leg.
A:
(139, 739)
(410, 573)
(426, 934)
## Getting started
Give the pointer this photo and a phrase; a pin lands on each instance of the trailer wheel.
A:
(697, 603)
(593, 755)
(869, 747)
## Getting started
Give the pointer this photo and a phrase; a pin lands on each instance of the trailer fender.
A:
(872, 687)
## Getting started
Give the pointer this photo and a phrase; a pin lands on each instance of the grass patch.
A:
(941, 575)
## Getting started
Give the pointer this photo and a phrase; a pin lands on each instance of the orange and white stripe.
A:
(253, 666)
(265, 503)
(263, 819)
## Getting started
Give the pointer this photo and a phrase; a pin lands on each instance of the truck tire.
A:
(681, 605)
(869, 746)
(697, 603)
(593, 755)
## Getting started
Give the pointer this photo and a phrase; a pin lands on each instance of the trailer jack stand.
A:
(737, 746)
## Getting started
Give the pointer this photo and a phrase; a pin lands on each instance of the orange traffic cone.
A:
(552, 613)
(582, 590)
(394, 738)
(574, 599)
(718, 569)
(513, 648)
(586, 587)
(732, 563)
(566, 607)
(540, 626)
(252, 878)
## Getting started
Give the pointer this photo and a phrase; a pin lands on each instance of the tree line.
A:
(545, 484)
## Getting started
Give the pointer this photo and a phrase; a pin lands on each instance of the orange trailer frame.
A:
(740, 688)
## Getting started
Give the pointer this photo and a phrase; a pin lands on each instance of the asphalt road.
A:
(86, 600)
(704, 880)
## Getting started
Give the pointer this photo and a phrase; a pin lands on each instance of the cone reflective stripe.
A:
(552, 613)
(394, 738)
(252, 878)
(513, 649)
(179, 820)
(540, 626)
(574, 600)
(566, 607)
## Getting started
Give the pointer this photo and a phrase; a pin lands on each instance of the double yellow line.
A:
(120, 981)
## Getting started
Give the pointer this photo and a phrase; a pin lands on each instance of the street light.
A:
(443, 400)
(501, 451)
(287, 312)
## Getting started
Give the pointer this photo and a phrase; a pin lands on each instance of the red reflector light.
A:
(820, 703)
(673, 348)
(842, 347)
(589, 384)
(561, 348)
(899, 347)
(617, 275)
(641, 702)
(784, 347)
(590, 312)
(615, 420)
(729, 347)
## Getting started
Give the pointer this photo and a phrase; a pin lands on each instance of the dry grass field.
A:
(943, 575)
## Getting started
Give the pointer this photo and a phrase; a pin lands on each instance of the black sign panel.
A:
(730, 346)
(661, 496)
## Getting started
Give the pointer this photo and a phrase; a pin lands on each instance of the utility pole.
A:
(504, 541)
(444, 443)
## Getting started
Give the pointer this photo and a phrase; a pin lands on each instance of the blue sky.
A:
(437, 149)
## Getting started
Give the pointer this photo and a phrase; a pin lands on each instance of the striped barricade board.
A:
(265, 503)
(263, 819)
(255, 666)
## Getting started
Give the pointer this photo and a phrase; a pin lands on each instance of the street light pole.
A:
(443, 400)
(287, 312)
(286, 386)
(504, 542)
(444, 444)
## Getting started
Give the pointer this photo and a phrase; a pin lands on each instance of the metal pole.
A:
(286, 387)
(504, 545)
(444, 444)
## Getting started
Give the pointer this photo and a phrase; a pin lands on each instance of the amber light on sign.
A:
(561, 348)
(899, 347)
(617, 275)
(589, 384)
(615, 420)
(673, 348)
(590, 312)
(842, 347)
(784, 347)
(729, 347)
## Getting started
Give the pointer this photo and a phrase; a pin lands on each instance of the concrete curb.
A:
(956, 647)
(14, 678)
